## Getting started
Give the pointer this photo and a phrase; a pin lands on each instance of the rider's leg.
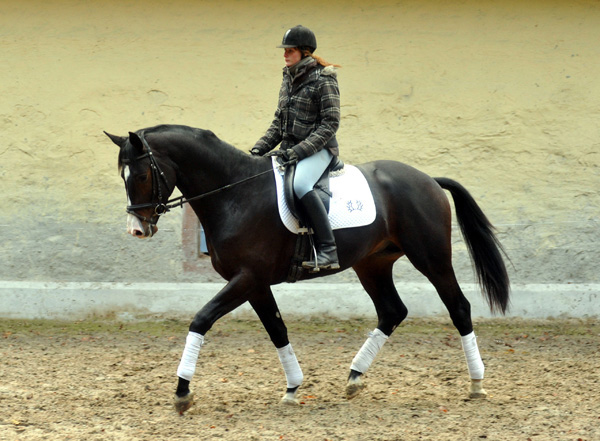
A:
(308, 172)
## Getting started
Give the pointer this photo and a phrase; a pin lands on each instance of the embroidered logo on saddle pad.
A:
(352, 203)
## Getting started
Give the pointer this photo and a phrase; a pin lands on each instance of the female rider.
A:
(306, 121)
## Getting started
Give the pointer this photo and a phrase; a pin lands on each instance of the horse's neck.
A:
(210, 165)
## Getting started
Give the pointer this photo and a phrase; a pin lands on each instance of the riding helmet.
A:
(299, 36)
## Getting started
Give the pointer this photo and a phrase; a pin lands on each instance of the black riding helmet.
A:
(299, 36)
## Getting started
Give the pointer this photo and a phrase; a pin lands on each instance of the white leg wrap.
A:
(474, 362)
(293, 372)
(368, 352)
(187, 366)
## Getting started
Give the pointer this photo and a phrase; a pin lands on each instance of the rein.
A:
(172, 204)
(161, 208)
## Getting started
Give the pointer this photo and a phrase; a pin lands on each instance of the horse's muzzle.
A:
(140, 229)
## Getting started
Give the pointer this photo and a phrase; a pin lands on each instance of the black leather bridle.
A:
(158, 178)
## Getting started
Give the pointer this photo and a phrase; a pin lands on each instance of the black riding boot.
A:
(324, 240)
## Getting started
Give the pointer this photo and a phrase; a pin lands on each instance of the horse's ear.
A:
(118, 140)
(136, 141)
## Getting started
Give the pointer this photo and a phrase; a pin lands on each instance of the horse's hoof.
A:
(289, 399)
(183, 403)
(477, 390)
(478, 395)
(354, 387)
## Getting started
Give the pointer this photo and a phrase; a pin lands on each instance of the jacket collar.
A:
(300, 68)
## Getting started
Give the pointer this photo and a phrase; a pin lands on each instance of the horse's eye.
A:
(142, 177)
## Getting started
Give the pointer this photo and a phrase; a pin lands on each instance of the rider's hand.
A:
(255, 152)
(290, 156)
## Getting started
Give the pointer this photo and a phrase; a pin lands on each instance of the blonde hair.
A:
(321, 61)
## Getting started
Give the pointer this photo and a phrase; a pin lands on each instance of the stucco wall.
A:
(502, 96)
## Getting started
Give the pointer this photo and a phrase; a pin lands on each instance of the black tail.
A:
(483, 246)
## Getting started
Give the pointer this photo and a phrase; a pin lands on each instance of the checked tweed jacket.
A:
(308, 112)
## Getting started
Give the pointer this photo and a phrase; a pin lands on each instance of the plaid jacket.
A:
(308, 113)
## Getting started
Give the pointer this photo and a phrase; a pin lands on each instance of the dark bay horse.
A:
(234, 196)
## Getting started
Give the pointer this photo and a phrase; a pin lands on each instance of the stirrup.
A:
(315, 267)
(312, 265)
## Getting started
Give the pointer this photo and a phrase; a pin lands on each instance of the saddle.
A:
(321, 187)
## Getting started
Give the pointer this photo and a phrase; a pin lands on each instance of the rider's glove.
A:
(291, 156)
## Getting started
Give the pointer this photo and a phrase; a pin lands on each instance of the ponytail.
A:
(307, 53)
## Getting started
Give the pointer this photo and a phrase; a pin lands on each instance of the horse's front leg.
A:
(234, 294)
(265, 306)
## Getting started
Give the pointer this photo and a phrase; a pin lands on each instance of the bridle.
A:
(158, 176)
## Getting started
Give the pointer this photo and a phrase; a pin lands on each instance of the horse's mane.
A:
(198, 140)
(200, 135)
(193, 132)
(173, 128)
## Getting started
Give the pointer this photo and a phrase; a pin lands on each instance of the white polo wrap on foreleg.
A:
(291, 367)
(474, 362)
(368, 352)
(187, 366)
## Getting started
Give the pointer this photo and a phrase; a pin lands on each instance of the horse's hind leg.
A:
(459, 309)
(433, 258)
(375, 275)
(266, 308)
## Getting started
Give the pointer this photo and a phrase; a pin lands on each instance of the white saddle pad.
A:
(351, 205)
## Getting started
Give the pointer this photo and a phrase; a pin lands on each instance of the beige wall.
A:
(502, 96)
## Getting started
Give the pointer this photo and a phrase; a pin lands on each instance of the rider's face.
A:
(292, 55)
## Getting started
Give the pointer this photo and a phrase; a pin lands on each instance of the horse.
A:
(234, 196)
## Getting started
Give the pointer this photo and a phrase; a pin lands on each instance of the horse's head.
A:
(148, 183)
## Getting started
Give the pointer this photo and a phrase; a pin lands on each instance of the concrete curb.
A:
(76, 301)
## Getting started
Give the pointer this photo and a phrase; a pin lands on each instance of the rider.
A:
(306, 121)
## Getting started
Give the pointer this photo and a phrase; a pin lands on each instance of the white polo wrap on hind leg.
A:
(368, 352)
(187, 366)
(291, 367)
(474, 362)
